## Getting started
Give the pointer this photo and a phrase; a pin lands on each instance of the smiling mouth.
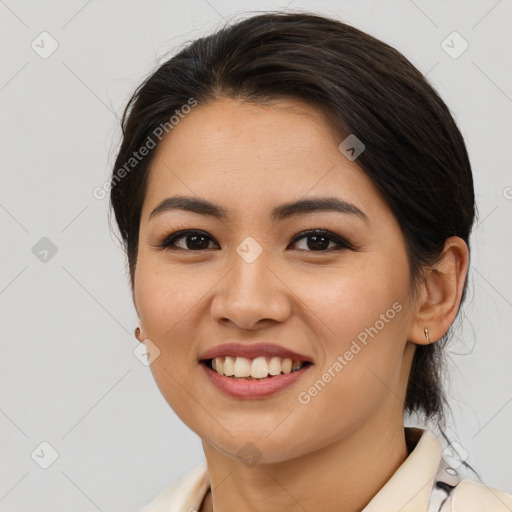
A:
(259, 368)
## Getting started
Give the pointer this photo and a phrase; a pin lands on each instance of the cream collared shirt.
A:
(425, 482)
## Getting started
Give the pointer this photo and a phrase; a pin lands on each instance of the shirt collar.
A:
(409, 489)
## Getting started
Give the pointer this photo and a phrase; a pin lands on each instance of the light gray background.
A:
(68, 375)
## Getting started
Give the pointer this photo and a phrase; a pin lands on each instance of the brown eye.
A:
(194, 240)
(319, 240)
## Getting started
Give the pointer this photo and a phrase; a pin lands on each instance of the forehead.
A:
(283, 129)
(246, 154)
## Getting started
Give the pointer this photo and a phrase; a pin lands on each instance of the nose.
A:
(251, 294)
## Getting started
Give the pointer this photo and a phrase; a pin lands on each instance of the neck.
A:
(353, 470)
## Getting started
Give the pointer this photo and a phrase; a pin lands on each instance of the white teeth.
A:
(242, 367)
(229, 365)
(258, 368)
(274, 366)
(286, 366)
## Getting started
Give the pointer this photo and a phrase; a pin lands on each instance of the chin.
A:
(256, 448)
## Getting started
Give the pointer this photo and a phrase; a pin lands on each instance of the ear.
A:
(440, 293)
(137, 332)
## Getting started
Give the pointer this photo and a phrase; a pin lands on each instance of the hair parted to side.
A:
(415, 154)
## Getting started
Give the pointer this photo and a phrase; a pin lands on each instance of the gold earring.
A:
(427, 335)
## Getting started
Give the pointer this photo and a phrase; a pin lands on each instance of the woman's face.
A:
(248, 279)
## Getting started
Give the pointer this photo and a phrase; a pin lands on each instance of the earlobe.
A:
(137, 334)
(441, 292)
(137, 329)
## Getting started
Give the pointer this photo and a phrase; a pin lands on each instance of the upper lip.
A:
(252, 350)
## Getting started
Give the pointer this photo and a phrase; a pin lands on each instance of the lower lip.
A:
(253, 389)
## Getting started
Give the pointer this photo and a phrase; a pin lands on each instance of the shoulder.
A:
(185, 494)
(454, 489)
(472, 496)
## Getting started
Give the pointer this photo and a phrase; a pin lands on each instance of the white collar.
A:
(410, 486)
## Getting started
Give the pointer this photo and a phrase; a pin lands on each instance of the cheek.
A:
(171, 312)
(346, 303)
(360, 323)
(166, 297)
(360, 367)
(167, 301)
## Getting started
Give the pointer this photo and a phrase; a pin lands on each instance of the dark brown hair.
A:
(415, 154)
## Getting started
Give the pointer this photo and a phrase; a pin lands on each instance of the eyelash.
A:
(168, 239)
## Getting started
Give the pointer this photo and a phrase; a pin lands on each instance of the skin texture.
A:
(338, 450)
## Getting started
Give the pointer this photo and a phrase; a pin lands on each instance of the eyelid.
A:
(342, 241)
(165, 242)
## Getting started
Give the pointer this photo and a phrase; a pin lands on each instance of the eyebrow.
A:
(279, 213)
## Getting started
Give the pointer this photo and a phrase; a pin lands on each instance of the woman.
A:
(295, 201)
